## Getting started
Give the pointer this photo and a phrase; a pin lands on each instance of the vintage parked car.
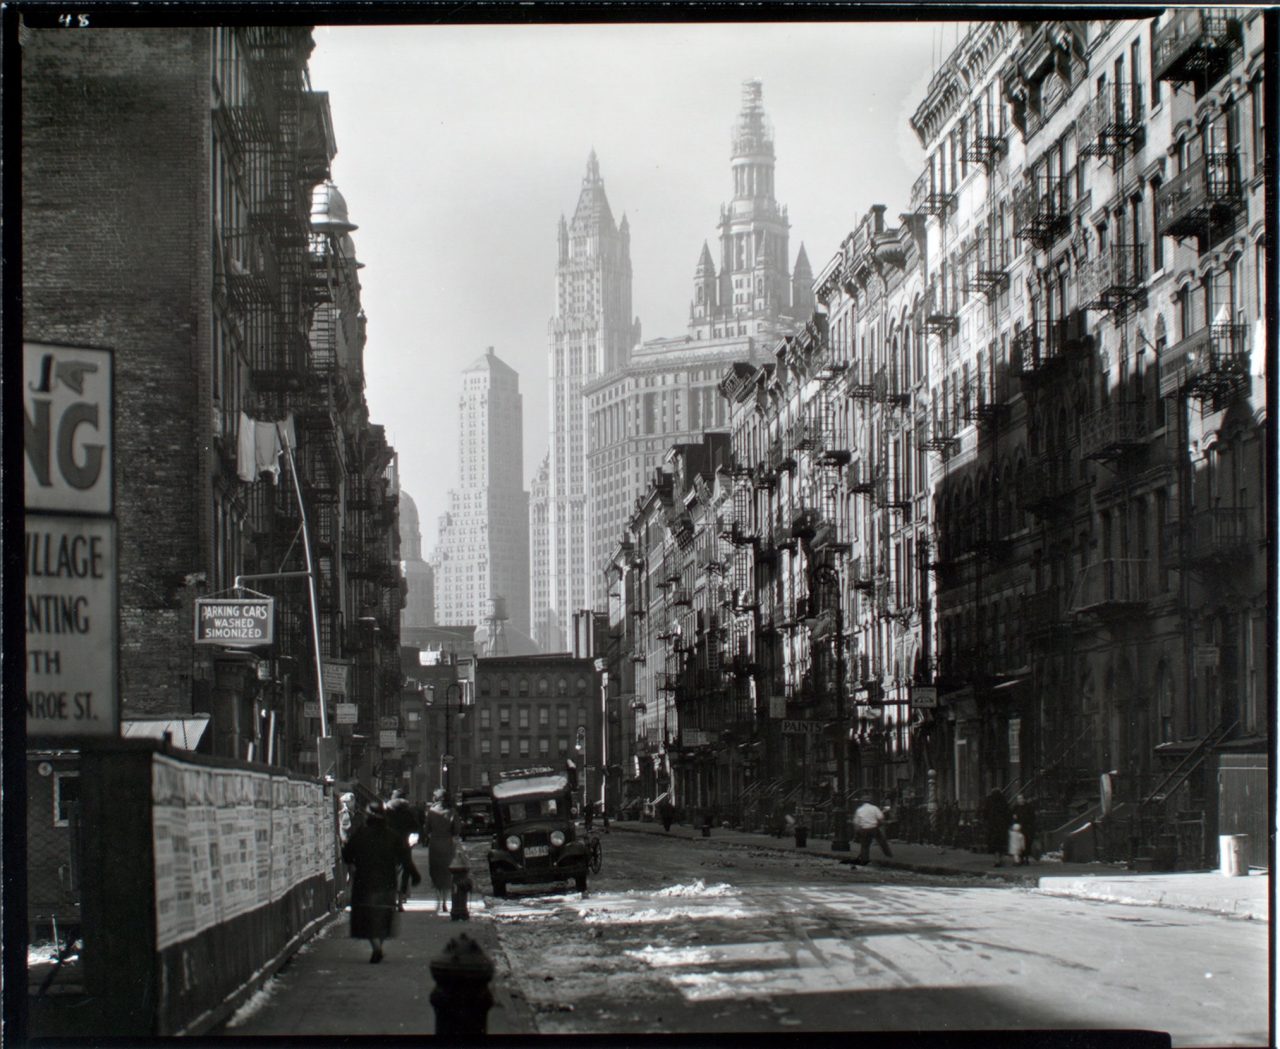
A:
(534, 839)
(475, 812)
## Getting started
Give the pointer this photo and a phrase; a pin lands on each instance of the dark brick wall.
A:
(115, 169)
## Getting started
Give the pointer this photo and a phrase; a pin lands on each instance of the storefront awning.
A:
(184, 733)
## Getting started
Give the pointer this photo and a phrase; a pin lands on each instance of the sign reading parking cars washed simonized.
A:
(235, 623)
(69, 563)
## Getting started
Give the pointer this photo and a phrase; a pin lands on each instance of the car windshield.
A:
(529, 809)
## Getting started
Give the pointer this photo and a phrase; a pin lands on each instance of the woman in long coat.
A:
(996, 819)
(377, 853)
(443, 826)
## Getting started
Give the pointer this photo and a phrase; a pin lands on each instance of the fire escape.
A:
(1195, 45)
(1040, 213)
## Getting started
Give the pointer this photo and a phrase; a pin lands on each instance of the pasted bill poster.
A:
(226, 841)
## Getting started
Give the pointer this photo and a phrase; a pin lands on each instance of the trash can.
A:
(1233, 855)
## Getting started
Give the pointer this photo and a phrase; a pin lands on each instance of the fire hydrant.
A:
(461, 875)
(462, 997)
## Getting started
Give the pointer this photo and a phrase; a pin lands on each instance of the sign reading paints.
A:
(235, 623)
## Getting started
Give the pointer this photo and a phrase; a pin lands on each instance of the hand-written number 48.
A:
(76, 21)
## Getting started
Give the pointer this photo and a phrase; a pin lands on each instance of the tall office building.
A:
(483, 548)
(592, 333)
(668, 391)
(419, 612)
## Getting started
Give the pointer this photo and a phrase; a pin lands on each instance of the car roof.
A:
(533, 785)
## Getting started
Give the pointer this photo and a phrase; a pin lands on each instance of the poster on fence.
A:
(262, 834)
(227, 841)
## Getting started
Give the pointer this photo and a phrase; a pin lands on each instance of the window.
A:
(485, 685)
(582, 685)
(504, 747)
(486, 717)
(562, 687)
(486, 747)
(562, 716)
(524, 686)
(504, 717)
(544, 687)
(544, 717)
(524, 746)
(563, 745)
(522, 719)
(544, 746)
(504, 686)
(66, 792)
(1157, 241)
(1259, 108)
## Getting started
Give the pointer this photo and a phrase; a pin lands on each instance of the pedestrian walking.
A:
(1024, 813)
(667, 813)
(868, 825)
(995, 824)
(350, 818)
(404, 821)
(443, 828)
(1017, 845)
(377, 853)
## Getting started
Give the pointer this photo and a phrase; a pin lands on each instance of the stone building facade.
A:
(170, 177)
(667, 393)
(998, 513)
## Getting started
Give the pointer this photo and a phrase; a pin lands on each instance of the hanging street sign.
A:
(235, 623)
(337, 678)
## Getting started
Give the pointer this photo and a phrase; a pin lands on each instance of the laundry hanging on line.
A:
(259, 446)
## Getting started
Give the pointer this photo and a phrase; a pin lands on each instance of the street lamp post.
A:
(839, 816)
(446, 759)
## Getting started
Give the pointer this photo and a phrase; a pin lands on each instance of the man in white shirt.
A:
(868, 824)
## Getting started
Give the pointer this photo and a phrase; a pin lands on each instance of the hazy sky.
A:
(459, 148)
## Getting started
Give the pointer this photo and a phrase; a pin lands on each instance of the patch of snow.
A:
(698, 888)
(256, 1001)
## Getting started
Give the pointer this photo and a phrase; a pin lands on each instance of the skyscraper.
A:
(667, 393)
(592, 333)
(418, 614)
(483, 547)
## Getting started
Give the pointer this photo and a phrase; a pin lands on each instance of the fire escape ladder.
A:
(1191, 761)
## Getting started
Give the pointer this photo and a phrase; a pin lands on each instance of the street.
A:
(693, 936)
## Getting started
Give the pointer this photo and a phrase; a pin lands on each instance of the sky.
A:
(459, 148)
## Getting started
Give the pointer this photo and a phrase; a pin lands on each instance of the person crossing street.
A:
(868, 824)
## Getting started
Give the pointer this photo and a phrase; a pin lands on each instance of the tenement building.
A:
(997, 516)
(212, 259)
(483, 547)
(591, 334)
(667, 391)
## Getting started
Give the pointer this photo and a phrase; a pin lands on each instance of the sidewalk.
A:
(331, 982)
(1246, 897)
